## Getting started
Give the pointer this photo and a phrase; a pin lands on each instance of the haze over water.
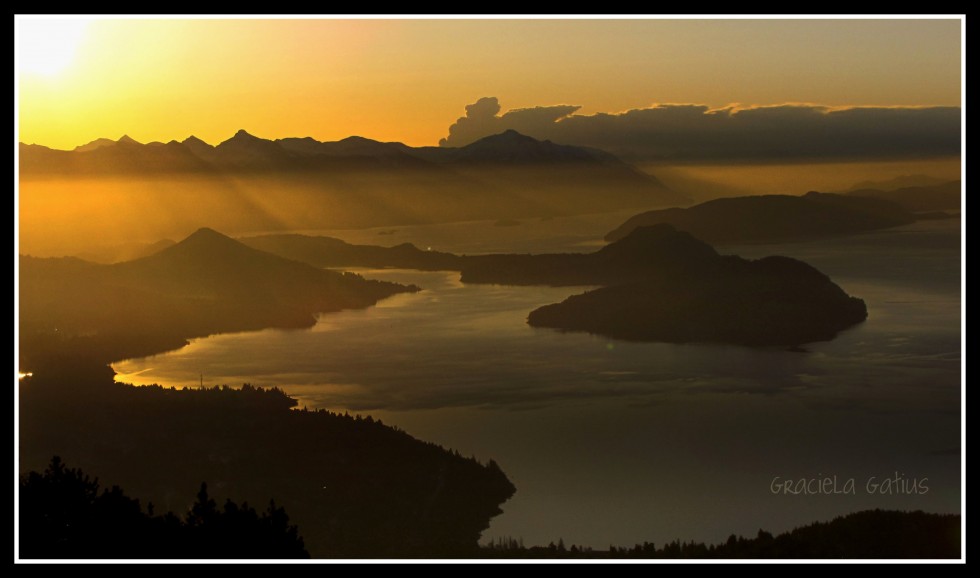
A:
(616, 442)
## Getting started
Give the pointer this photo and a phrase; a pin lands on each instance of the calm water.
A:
(614, 442)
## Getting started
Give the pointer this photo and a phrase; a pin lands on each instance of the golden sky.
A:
(408, 80)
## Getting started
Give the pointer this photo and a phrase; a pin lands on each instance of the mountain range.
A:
(244, 151)
(247, 183)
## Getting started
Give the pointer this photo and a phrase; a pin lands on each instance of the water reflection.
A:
(619, 442)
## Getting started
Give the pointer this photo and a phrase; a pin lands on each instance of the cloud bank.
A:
(697, 133)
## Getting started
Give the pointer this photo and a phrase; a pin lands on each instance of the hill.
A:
(940, 197)
(775, 301)
(205, 284)
(774, 218)
(665, 285)
(354, 486)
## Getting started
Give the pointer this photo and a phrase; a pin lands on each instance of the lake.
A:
(611, 442)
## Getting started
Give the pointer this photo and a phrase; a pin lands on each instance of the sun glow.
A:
(47, 46)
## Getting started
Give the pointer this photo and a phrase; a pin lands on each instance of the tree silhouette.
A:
(63, 515)
(865, 534)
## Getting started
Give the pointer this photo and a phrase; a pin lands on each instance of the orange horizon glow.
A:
(408, 80)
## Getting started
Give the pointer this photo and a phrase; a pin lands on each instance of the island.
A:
(775, 301)
(661, 284)
(774, 218)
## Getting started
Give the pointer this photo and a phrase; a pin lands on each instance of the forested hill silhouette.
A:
(354, 486)
(205, 284)
(774, 218)
(64, 515)
(869, 534)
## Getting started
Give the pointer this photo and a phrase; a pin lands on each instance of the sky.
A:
(410, 80)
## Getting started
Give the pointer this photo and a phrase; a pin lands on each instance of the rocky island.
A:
(661, 284)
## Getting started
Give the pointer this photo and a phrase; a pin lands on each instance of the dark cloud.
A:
(690, 132)
(481, 120)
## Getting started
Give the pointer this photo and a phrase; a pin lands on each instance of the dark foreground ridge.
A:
(64, 515)
(869, 534)
(775, 218)
(354, 486)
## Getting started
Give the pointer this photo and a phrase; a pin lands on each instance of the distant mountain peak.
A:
(510, 135)
(97, 143)
(106, 142)
(193, 140)
(206, 237)
(206, 233)
(246, 149)
(242, 137)
(198, 147)
(511, 132)
(249, 144)
(513, 147)
(205, 245)
(358, 139)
